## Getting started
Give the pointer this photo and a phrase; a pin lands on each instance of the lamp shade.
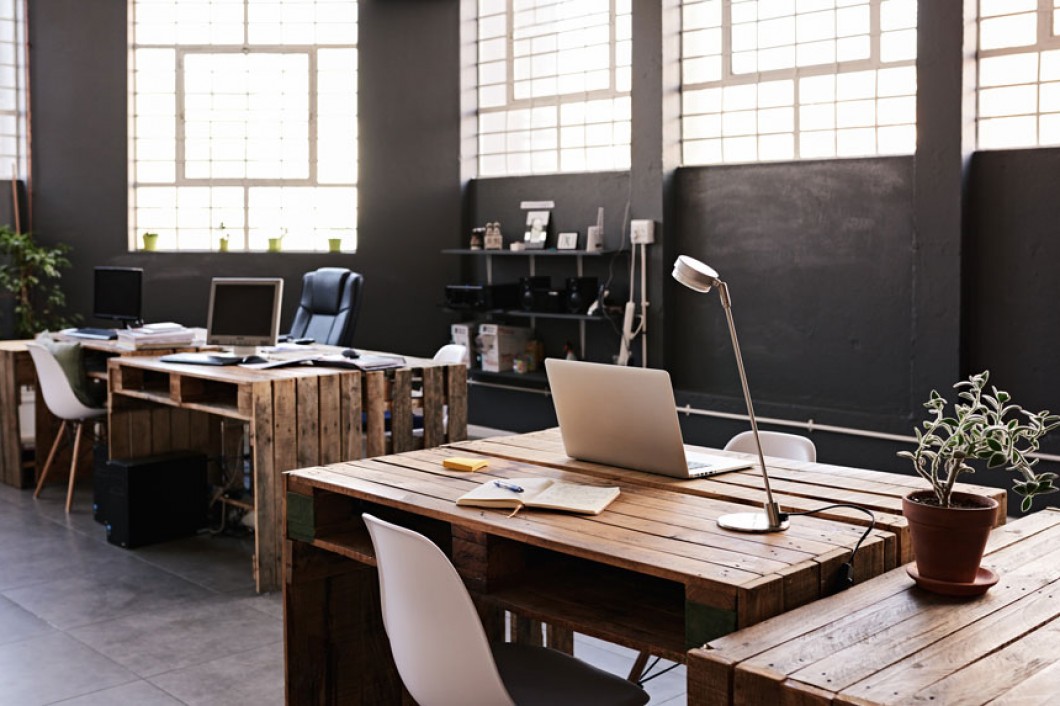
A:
(694, 274)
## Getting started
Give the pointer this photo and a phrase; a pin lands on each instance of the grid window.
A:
(770, 80)
(244, 123)
(1019, 73)
(553, 86)
(12, 91)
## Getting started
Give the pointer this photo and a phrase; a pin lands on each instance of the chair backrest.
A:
(55, 387)
(327, 311)
(451, 353)
(438, 642)
(775, 443)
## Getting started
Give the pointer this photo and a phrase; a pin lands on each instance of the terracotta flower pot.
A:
(948, 542)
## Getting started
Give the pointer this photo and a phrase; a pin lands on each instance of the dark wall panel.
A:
(1011, 286)
(409, 180)
(817, 256)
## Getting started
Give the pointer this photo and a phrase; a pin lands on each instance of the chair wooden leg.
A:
(637, 671)
(51, 457)
(73, 465)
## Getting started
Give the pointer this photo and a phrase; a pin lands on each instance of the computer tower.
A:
(152, 499)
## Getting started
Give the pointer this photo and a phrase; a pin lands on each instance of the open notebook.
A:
(543, 493)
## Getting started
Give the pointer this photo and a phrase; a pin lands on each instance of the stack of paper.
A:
(167, 335)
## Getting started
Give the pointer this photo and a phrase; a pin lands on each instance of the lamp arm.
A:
(772, 511)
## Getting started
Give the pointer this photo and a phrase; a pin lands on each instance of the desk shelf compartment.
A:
(620, 606)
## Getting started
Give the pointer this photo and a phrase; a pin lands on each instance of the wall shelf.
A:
(551, 252)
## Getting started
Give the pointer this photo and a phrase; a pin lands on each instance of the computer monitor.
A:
(244, 313)
(118, 294)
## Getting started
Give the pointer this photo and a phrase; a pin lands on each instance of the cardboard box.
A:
(500, 344)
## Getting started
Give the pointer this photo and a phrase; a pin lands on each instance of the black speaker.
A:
(581, 293)
(481, 297)
(153, 499)
(529, 291)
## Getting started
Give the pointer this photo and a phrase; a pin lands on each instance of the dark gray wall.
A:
(1011, 285)
(409, 169)
(817, 256)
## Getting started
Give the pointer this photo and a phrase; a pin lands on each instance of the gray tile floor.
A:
(84, 623)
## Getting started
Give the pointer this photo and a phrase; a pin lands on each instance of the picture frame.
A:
(567, 241)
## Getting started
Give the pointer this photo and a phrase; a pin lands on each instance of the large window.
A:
(243, 123)
(1019, 73)
(553, 86)
(12, 91)
(797, 79)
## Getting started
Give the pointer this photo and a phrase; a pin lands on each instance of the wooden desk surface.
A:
(886, 642)
(796, 485)
(689, 578)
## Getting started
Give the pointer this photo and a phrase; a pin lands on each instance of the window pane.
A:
(811, 59)
(561, 50)
(247, 125)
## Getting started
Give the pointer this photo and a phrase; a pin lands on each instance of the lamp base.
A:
(757, 522)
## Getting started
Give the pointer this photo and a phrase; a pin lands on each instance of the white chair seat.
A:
(539, 676)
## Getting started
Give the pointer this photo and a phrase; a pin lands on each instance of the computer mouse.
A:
(303, 341)
(351, 353)
(253, 360)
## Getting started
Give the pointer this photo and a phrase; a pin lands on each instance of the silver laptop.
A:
(625, 417)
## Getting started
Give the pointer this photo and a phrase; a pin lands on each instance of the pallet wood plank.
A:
(401, 411)
(268, 489)
(433, 406)
(329, 419)
(351, 417)
(375, 410)
(456, 401)
(307, 410)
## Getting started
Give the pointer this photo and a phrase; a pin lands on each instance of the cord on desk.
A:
(846, 576)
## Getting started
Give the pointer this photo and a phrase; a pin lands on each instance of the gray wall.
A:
(409, 165)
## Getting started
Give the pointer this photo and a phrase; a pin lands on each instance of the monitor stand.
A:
(249, 354)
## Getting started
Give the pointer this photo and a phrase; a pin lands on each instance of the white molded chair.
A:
(451, 353)
(441, 650)
(63, 403)
(775, 443)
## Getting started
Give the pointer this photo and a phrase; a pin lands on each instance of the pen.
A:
(508, 486)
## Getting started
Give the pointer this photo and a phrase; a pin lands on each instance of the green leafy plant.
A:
(982, 426)
(30, 274)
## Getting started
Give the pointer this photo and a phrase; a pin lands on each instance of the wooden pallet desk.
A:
(888, 643)
(297, 417)
(651, 572)
(797, 485)
(16, 370)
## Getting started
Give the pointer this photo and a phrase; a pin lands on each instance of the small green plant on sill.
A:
(30, 273)
(984, 426)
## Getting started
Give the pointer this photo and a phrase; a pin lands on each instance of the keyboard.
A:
(102, 334)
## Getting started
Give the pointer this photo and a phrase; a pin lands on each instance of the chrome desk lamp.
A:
(701, 278)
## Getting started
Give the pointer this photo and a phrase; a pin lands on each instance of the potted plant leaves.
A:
(950, 528)
(30, 274)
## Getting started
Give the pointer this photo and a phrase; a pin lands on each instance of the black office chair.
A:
(327, 312)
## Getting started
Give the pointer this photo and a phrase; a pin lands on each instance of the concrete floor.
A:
(84, 623)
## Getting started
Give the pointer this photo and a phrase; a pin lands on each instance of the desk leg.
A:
(336, 651)
(10, 433)
(268, 493)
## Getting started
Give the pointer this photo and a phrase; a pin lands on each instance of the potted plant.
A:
(949, 528)
(223, 242)
(30, 274)
(150, 241)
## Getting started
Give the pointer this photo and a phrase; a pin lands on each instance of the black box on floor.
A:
(152, 499)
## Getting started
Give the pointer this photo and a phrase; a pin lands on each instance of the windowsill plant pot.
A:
(150, 241)
(275, 244)
(949, 529)
(334, 244)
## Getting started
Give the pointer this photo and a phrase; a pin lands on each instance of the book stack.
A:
(165, 335)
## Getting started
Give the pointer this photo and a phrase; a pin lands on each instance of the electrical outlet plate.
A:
(642, 232)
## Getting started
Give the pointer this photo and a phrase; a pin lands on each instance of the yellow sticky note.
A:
(462, 463)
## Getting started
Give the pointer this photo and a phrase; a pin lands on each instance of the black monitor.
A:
(118, 294)
(244, 312)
